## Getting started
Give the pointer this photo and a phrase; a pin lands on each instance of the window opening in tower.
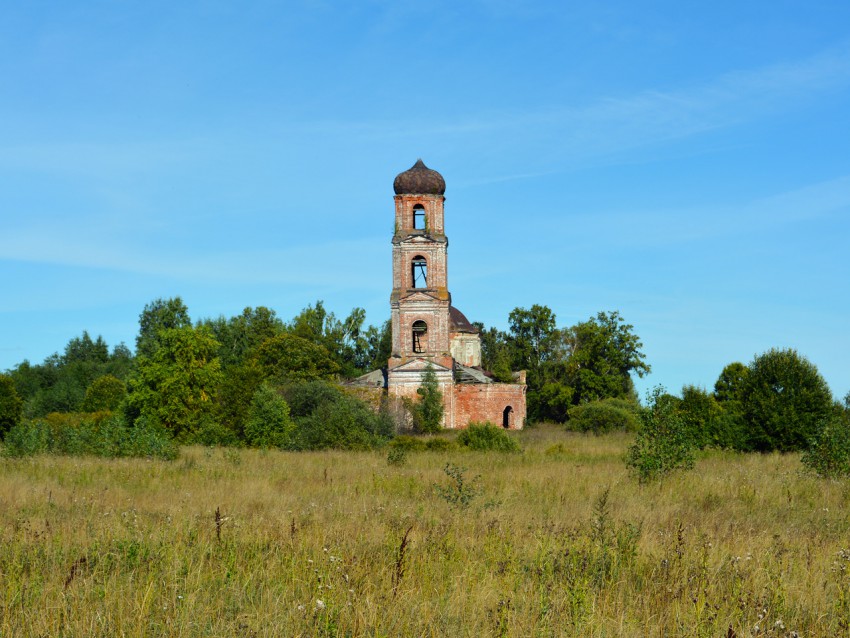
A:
(420, 272)
(420, 331)
(419, 217)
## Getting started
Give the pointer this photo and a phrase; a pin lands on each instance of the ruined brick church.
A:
(427, 330)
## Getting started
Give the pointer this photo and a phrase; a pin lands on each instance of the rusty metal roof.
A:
(459, 322)
(419, 180)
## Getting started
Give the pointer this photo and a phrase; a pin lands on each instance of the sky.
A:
(687, 164)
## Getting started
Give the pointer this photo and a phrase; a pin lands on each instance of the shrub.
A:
(603, 416)
(829, 453)
(662, 444)
(397, 456)
(437, 444)
(325, 418)
(486, 436)
(99, 434)
(268, 424)
(459, 491)
(408, 443)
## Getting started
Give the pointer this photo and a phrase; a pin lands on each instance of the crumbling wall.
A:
(488, 402)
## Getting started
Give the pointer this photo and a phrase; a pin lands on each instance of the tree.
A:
(495, 352)
(374, 347)
(530, 339)
(784, 399)
(662, 444)
(828, 454)
(159, 315)
(603, 354)
(268, 424)
(175, 385)
(104, 393)
(730, 383)
(288, 357)
(702, 417)
(240, 336)
(428, 411)
(342, 339)
(11, 405)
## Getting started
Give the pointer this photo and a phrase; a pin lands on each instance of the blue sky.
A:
(687, 164)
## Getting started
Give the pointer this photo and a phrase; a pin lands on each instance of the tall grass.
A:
(559, 541)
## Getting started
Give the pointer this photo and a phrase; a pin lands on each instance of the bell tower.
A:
(420, 298)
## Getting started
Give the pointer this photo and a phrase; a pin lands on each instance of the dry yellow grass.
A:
(309, 544)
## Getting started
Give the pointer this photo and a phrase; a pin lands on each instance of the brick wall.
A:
(487, 402)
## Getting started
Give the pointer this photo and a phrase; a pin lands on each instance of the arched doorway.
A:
(507, 417)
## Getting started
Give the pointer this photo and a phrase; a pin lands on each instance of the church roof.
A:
(459, 322)
(419, 180)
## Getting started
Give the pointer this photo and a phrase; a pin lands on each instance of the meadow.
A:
(557, 540)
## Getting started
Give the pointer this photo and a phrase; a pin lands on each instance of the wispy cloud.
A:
(572, 134)
(664, 227)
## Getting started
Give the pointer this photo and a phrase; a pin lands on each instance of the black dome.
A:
(419, 180)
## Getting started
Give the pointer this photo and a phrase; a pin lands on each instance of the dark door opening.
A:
(507, 417)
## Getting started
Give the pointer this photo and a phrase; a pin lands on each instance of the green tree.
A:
(269, 423)
(238, 386)
(662, 444)
(104, 393)
(374, 347)
(784, 400)
(428, 410)
(242, 335)
(495, 352)
(343, 339)
(59, 383)
(11, 405)
(730, 383)
(828, 454)
(702, 417)
(530, 339)
(159, 315)
(288, 357)
(174, 386)
(603, 354)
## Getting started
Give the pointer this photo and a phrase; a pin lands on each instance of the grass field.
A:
(556, 541)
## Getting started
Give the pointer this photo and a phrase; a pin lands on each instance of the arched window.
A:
(419, 217)
(507, 417)
(419, 272)
(420, 336)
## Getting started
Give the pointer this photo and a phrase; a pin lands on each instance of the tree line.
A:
(256, 379)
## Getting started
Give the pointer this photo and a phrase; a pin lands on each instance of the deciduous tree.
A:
(175, 385)
(784, 399)
(11, 405)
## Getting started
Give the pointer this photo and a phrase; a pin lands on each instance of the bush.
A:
(408, 443)
(325, 417)
(785, 400)
(397, 456)
(486, 436)
(829, 453)
(437, 444)
(268, 424)
(603, 416)
(98, 434)
(662, 444)
(418, 444)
